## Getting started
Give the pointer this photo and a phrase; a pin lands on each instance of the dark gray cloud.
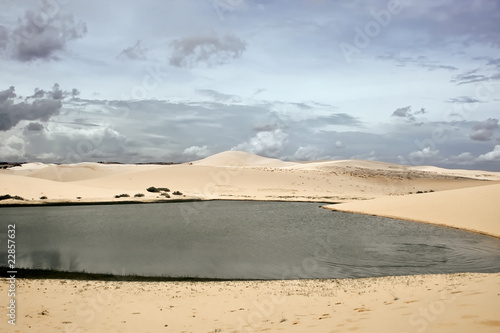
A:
(42, 107)
(407, 113)
(208, 50)
(488, 124)
(35, 127)
(43, 35)
(402, 112)
(55, 93)
(490, 72)
(485, 130)
(464, 100)
(135, 52)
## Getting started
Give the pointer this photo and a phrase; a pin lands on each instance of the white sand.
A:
(439, 303)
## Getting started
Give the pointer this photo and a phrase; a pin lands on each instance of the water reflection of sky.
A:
(240, 240)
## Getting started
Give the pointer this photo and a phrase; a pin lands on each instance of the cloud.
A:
(209, 50)
(4, 38)
(488, 124)
(493, 155)
(407, 113)
(307, 153)
(41, 35)
(419, 156)
(40, 106)
(402, 112)
(35, 127)
(463, 100)
(219, 97)
(339, 144)
(269, 144)
(197, 151)
(474, 76)
(421, 61)
(136, 52)
(484, 131)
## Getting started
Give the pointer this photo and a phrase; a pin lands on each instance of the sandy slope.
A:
(442, 303)
(476, 209)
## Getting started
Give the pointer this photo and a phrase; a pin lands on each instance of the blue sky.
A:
(411, 82)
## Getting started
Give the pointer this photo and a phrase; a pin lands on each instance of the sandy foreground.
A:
(435, 303)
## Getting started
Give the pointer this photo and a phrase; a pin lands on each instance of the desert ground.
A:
(435, 303)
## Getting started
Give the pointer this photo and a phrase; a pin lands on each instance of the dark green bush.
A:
(165, 195)
(8, 196)
(139, 195)
(122, 196)
(152, 189)
(177, 193)
(43, 197)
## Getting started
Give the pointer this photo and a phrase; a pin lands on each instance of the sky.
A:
(401, 81)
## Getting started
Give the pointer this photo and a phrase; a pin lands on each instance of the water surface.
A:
(237, 239)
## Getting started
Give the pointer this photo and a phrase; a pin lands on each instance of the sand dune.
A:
(475, 209)
(241, 159)
(234, 175)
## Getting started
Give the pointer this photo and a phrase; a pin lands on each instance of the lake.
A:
(238, 240)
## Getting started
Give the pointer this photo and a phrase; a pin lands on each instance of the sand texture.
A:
(432, 303)
(436, 303)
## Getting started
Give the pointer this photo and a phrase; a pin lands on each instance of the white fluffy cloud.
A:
(308, 153)
(493, 155)
(270, 144)
(196, 152)
(425, 155)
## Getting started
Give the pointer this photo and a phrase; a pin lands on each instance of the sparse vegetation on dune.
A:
(138, 195)
(157, 189)
(8, 196)
(124, 195)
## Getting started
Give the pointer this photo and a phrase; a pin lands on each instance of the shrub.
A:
(157, 189)
(43, 197)
(139, 195)
(165, 195)
(177, 193)
(122, 196)
(78, 198)
(8, 196)
(419, 192)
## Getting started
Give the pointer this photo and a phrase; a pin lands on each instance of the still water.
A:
(238, 239)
